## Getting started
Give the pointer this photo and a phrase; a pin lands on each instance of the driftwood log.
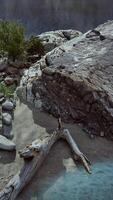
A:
(34, 155)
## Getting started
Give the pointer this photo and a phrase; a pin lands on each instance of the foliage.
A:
(7, 90)
(11, 39)
(34, 46)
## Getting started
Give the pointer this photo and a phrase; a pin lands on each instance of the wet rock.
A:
(6, 144)
(8, 105)
(6, 119)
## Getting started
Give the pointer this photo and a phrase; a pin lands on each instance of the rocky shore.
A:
(74, 80)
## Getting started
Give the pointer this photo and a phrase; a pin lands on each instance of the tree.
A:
(11, 39)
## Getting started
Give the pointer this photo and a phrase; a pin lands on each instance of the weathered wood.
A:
(76, 152)
(34, 156)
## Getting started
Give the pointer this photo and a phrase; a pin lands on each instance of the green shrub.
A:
(7, 90)
(34, 46)
(11, 39)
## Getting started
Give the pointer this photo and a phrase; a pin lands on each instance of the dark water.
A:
(43, 15)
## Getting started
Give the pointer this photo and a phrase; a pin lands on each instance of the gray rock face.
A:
(8, 105)
(6, 144)
(54, 39)
(6, 119)
(77, 81)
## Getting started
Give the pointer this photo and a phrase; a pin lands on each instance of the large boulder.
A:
(77, 81)
(6, 144)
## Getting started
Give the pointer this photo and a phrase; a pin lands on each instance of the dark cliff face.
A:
(43, 15)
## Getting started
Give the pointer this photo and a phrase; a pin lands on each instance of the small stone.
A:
(6, 144)
(101, 134)
(92, 136)
(6, 119)
(9, 81)
(7, 105)
(2, 99)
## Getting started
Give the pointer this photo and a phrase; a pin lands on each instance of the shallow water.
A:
(80, 186)
(43, 15)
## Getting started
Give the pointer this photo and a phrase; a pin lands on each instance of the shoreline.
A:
(97, 150)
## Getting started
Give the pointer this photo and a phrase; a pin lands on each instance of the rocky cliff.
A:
(75, 80)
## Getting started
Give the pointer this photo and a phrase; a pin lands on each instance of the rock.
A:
(9, 81)
(18, 65)
(8, 105)
(1, 95)
(7, 131)
(6, 144)
(83, 89)
(13, 101)
(3, 64)
(6, 119)
(33, 58)
(102, 134)
(12, 71)
(91, 136)
(0, 127)
(2, 100)
(54, 39)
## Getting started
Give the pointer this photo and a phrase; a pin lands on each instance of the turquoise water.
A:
(78, 185)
